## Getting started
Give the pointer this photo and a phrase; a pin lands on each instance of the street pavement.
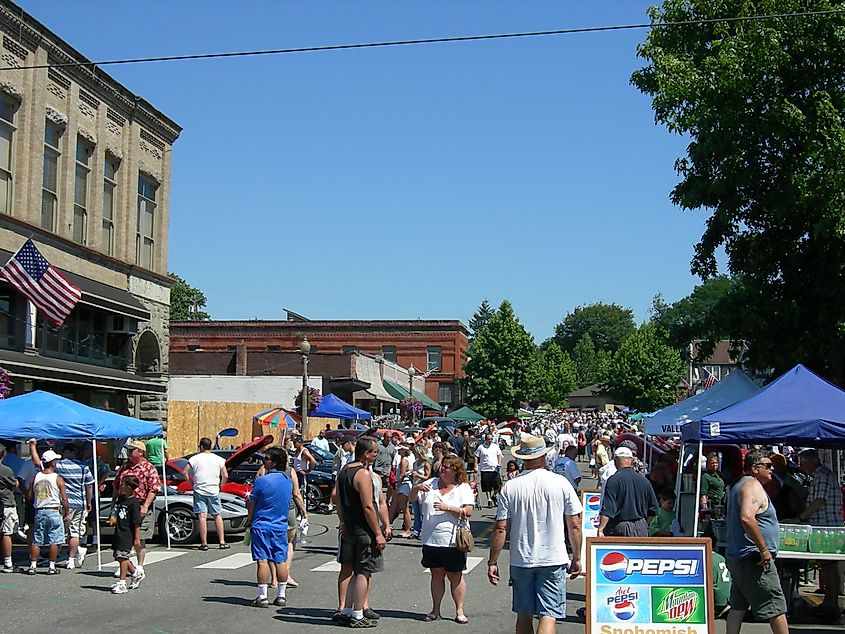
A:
(191, 591)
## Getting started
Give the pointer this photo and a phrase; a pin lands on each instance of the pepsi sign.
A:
(623, 604)
(593, 502)
(651, 566)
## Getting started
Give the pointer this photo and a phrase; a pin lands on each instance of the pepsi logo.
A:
(595, 521)
(614, 566)
(594, 502)
(624, 611)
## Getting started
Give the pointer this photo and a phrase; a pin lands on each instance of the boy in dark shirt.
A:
(126, 518)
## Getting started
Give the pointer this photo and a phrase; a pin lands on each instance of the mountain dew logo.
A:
(678, 605)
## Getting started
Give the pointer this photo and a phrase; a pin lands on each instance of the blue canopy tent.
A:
(732, 389)
(333, 407)
(799, 408)
(42, 415)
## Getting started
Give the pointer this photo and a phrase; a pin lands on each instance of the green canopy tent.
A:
(524, 414)
(397, 391)
(466, 414)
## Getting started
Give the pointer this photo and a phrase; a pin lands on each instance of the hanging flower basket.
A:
(314, 399)
(412, 407)
(5, 384)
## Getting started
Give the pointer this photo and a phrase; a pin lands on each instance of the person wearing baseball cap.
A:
(628, 501)
(50, 502)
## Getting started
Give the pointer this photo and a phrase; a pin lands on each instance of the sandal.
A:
(405, 535)
(431, 616)
(204, 547)
(463, 620)
(224, 546)
(292, 583)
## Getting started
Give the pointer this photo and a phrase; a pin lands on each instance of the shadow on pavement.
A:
(322, 616)
(233, 582)
(241, 601)
(100, 588)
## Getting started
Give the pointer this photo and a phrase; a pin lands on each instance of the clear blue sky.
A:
(404, 182)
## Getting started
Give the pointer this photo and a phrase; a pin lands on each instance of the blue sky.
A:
(407, 182)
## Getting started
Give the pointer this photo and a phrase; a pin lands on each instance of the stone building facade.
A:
(85, 170)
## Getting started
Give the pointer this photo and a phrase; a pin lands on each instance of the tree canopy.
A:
(590, 364)
(762, 102)
(186, 302)
(480, 319)
(557, 376)
(645, 371)
(608, 325)
(503, 369)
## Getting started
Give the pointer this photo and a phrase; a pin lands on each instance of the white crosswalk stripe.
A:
(153, 557)
(232, 562)
(334, 566)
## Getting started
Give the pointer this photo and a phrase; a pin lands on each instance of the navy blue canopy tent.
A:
(43, 415)
(333, 407)
(732, 389)
(799, 408)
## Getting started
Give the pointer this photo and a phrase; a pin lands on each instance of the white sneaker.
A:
(119, 588)
(136, 579)
(80, 556)
(117, 572)
(139, 573)
(70, 565)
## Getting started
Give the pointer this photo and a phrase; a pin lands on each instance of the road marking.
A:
(472, 562)
(330, 566)
(232, 562)
(153, 557)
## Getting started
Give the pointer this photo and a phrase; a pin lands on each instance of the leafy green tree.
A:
(480, 319)
(590, 364)
(644, 371)
(186, 302)
(608, 325)
(503, 368)
(557, 376)
(762, 103)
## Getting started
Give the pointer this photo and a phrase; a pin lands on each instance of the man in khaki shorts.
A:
(9, 514)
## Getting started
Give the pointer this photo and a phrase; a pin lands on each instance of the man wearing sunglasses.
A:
(752, 543)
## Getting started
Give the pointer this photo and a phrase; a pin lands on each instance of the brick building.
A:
(85, 172)
(436, 347)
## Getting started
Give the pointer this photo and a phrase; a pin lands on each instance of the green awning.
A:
(524, 414)
(465, 413)
(397, 391)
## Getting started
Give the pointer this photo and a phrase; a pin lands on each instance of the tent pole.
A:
(678, 480)
(97, 506)
(697, 487)
(166, 508)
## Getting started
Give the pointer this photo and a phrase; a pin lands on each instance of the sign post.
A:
(652, 584)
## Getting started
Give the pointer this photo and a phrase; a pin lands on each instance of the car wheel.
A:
(313, 497)
(181, 523)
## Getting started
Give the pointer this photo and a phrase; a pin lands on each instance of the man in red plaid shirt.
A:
(148, 484)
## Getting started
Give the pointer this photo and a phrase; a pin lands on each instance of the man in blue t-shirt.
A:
(268, 504)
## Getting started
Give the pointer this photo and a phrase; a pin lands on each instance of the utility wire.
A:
(436, 40)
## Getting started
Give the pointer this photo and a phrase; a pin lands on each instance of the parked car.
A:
(318, 491)
(179, 519)
(242, 464)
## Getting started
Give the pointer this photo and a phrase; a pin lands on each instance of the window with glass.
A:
(50, 178)
(84, 337)
(84, 151)
(109, 195)
(446, 393)
(10, 316)
(7, 146)
(433, 354)
(389, 353)
(145, 242)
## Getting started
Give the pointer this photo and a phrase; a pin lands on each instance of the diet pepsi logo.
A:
(615, 567)
(623, 604)
(593, 503)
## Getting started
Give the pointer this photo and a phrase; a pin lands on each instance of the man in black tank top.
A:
(361, 541)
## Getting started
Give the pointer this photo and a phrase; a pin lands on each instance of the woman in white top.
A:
(443, 501)
(399, 503)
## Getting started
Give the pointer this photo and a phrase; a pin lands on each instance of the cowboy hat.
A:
(530, 447)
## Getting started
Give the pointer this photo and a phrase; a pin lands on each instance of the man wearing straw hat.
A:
(532, 506)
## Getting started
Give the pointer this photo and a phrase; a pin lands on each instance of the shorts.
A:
(269, 545)
(755, 587)
(539, 591)
(147, 526)
(490, 481)
(209, 504)
(49, 528)
(121, 554)
(292, 524)
(359, 551)
(404, 489)
(76, 526)
(448, 557)
(10, 523)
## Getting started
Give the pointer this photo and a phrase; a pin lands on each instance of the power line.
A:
(434, 40)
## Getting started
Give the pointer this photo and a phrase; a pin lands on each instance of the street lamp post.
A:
(304, 348)
(411, 372)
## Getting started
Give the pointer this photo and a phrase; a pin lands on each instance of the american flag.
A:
(709, 380)
(30, 273)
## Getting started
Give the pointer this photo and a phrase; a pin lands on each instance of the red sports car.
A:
(241, 465)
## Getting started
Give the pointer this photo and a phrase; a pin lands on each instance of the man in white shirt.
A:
(564, 439)
(209, 475)
(489, 462)
(537, 508)
(565, 465)
(321, 441)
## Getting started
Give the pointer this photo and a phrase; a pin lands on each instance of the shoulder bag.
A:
(464, 541)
